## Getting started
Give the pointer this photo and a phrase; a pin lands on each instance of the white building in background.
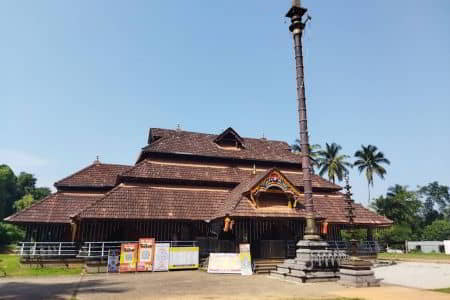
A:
(447, 247)
(428, 246)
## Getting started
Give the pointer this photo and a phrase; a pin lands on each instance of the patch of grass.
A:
(415, 256)
(10, 266)
(446, 290)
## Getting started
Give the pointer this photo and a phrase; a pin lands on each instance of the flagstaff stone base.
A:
(313, 263)
(356, 272)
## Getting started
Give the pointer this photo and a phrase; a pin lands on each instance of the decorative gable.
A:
(230, 139)
(274, 182)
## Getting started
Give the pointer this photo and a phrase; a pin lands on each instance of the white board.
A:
(183, 258)
(246, 259)
(162, 256)
(225, 263)
(447, 247)
(113, 261)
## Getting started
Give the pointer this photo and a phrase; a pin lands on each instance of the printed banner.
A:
(128, 257)
(183, 258)
(162, 255)
(245, 259)
(146, 253)
(227, 263)
(113, 261)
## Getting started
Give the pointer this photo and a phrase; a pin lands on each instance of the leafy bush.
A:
(397, 234)
(358, 234)
(439, 230)
(10, 234)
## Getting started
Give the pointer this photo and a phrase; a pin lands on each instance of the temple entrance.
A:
(270, 238)
(274, 242)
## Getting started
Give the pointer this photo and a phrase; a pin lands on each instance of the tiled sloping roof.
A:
(333, 208)
(177, 141)
(94, 175)
(144, 202)
(56, 208)
(147, 169)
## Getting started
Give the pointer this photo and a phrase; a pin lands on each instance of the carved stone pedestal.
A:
(313, 263)
(356, 272)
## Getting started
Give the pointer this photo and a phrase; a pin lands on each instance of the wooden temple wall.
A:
(48, 232)
(132, 230)
(257, 229)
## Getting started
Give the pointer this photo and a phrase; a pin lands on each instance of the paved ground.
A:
(416, 274)
(201, 285)
(173, 285)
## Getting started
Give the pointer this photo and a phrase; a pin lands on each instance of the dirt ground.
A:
(190, 285)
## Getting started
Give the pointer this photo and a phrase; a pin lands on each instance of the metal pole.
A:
(297, 26)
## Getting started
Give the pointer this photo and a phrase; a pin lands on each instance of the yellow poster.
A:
(128, 257)
(183, 258)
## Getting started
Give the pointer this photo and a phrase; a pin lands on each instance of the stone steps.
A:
(265, 266)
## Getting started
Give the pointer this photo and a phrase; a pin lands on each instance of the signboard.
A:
(447, 247)
(113, 261)
(146, 254)
(183, 258)
(162, 255)
(245, 259)
(228, 263)
(128, 257)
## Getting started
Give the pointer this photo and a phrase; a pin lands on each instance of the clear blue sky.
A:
(86, 78)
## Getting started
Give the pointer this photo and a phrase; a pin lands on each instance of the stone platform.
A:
(313, 263)
(356, 272)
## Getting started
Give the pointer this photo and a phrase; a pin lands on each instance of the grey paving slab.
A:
(416, 275)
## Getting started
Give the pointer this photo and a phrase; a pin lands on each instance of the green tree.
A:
(370, 160)
(439, 230)
(435, 195)
(400, 205)
(8, 191)
(26, 183)
(24, 202)
(332, 163)
(313, 152)
(395, 235)
(40, 193)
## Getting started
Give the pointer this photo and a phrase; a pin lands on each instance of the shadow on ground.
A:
(58, 290)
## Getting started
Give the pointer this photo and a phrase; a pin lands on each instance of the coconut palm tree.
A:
(333, 163)
(313, 153)
(370, 160)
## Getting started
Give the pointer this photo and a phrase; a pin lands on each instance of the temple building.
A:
(190, 186)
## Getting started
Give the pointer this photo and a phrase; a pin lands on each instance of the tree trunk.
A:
(368, 189)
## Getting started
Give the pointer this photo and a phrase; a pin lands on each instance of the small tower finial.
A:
(97, 160)
(178, 127)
